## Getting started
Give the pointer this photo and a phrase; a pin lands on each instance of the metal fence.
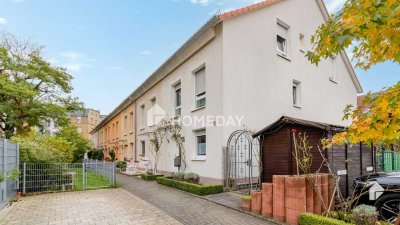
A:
(54, 177)
(388, 161)
(9, 159)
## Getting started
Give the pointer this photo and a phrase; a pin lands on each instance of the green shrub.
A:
(149, 176)
(121, 165)
(192, 178)
(247, 197)
(364, 215)
(311, 219)
(179, 175)
(189, 187)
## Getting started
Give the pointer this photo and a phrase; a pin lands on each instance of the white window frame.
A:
(202, 95)
(143, 148)
(197, 135)
(282, 25)
(296, 93)
(177, 108)
(78, 119)
(153, 102)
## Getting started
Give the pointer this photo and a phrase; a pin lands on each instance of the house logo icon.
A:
(155, 114)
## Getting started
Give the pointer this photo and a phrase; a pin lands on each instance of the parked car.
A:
(381, 190)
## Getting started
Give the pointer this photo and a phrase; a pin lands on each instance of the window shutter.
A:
(200, 79)
(282, 31)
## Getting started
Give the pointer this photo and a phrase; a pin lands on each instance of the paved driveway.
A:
(186, 208)
(106, 206)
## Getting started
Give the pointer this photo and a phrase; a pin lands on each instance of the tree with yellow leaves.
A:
(373, 27)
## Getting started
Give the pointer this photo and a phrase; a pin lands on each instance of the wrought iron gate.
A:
(242, 161)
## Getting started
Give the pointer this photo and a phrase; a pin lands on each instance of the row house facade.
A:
(242, 69)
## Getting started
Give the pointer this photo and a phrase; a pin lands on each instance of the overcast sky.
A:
(112, 46)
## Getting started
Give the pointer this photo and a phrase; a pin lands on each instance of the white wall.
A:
(258, 82)
(211, 57)
(246, 77)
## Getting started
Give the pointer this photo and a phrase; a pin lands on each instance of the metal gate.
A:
(242, 161)
(55, 177)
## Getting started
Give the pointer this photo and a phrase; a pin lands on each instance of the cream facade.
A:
(85, 121)
(248, 64)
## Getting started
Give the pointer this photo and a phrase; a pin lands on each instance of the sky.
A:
(111, 47)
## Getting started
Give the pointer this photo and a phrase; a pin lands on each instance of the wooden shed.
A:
(277, 148)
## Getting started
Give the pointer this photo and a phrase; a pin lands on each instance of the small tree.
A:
(31, 89)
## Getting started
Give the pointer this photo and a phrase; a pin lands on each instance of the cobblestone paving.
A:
(184, 207)
(106, 206)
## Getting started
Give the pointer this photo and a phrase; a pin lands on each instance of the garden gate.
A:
(242, 161)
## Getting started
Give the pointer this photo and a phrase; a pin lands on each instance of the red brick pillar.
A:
(310, 193)
(256, 202)
(295, 198)
(266, 199)
(325, 191)
(278, 199)
(317, 200)
(331, 187)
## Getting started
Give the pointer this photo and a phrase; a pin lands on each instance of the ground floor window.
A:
(143, 144)
(201, 141)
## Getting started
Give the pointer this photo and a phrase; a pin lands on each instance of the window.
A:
(296, 93)
(201, 143)
(281, 38)
(142, 111)
(200, 87)
(152, 119)
(143, 144)
(79, 129)
(78, 119)
(177, 100)
(131, 125)
(332, 69)
(302, 43)
(125, 124)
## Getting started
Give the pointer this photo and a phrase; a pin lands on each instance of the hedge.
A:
(189, 187)
(311, 219)
(145, 176)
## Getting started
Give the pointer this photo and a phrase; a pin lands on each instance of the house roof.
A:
(212, 22)
(246, 9)
(291, 120)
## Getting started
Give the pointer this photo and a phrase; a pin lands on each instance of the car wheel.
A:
(388, 207)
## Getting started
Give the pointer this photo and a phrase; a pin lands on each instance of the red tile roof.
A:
(246, 9)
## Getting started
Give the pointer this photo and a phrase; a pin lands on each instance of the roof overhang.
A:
(284, 120)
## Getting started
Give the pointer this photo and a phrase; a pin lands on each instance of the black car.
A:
(381, 190)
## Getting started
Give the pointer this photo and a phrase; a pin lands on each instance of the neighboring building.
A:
(49, 127)
(249, 63)
(85, 121)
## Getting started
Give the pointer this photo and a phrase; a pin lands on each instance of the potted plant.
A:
(246, 202)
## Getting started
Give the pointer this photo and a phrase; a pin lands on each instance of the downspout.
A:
(135, 130)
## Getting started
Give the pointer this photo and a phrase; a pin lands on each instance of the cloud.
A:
(334, 5)
(3, 20)
(203, 2)
(146, 52)
(72, 55)
(75, 67)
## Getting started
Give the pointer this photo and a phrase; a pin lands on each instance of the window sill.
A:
(199, 158)
(283, 56)
(297, 106)
(333, 80)
(141, 129)
(131, 132)
(198, 109)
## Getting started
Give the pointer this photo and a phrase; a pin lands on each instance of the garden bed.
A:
(197, 189)
(146, 176)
